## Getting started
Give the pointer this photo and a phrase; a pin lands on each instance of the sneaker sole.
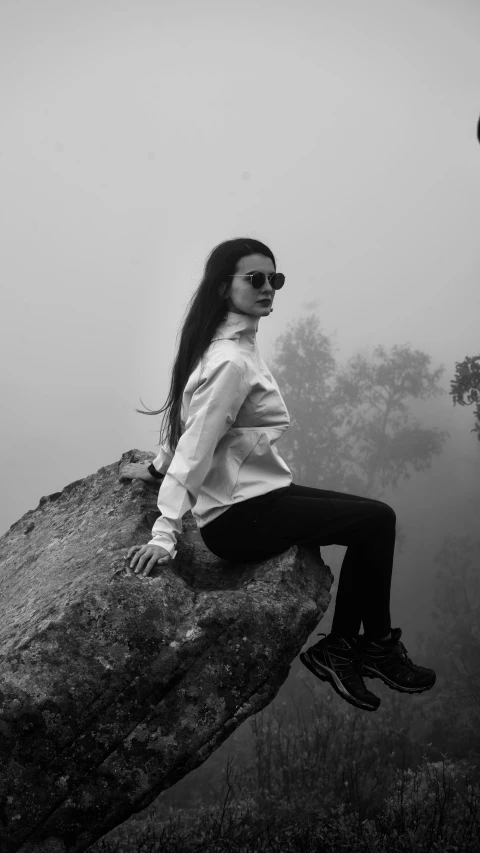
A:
(325, 674)
(367, 672)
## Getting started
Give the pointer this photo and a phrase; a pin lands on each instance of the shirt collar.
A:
(237, 325)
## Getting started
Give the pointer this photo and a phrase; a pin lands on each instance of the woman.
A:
(225, 413)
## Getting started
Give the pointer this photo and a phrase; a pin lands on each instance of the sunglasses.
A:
(276, 279)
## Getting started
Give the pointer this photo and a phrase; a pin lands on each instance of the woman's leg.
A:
(272, 523)
(334, 659)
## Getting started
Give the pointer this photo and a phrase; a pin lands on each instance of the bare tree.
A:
(457, 614)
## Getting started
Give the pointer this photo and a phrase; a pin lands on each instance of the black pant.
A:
(269, 524)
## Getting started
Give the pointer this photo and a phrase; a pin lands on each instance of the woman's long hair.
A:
(205, 311)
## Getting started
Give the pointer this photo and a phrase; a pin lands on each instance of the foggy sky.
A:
(137, 135)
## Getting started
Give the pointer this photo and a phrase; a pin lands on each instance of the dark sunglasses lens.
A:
(277, 280)
(257, 280)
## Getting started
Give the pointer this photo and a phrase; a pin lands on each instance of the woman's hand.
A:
(138, 471)
(146, 558)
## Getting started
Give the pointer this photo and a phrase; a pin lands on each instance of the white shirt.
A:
(232, 414)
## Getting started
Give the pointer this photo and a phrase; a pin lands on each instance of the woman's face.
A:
(242, 296)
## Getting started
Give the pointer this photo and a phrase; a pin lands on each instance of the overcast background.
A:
(137, 135)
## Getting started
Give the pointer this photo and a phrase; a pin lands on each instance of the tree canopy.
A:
(351, 427)
(465, 387)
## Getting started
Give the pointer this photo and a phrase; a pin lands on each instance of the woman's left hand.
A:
(146, 558)
(137, 471)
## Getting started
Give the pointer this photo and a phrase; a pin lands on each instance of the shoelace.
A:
(404, 654)
(360, 651)
(399, 650)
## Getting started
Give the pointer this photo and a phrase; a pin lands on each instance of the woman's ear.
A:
(222, 289)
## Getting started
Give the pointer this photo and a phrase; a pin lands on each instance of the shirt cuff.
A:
(165, 542)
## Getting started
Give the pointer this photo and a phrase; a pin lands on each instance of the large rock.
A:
(113, 687)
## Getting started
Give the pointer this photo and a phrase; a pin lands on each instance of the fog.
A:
(137, 135)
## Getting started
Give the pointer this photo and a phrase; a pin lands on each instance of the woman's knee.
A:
(382, 514)
(387, 514)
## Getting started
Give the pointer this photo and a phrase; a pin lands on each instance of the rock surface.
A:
(113, 687)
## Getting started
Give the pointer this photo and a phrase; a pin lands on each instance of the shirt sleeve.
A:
(163, 460)
(214, 406)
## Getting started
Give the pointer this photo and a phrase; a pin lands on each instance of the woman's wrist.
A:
(153, 471)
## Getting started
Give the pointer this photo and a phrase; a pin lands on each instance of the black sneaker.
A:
(389, 661)
(336, 660)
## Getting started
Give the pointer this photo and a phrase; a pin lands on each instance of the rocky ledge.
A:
(113, 687)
